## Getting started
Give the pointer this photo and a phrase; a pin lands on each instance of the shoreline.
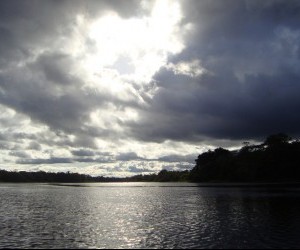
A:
(195, 184)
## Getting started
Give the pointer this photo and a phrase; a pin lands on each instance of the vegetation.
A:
(162, 176)
(275, 160)
(22, 176)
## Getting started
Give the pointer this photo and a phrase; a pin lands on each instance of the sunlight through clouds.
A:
(192, 68)
(136, 48)
(142, 81)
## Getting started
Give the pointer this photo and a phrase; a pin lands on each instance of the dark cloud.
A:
(19, 154)
(28, 25)
(85, 155)
(190, 158)
(59, 160)
(65, 109)
(95, 160)
(83, 152)
(11, 136)
(57, 68)
(250, 86)
(31, 24)
(137, 170)
(5, 145)
(46, 86)
(39, 161)
(130, 156)
(248, 51)
(34, 146)
(3, 137)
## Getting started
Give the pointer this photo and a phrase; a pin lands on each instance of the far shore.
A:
(169, 184)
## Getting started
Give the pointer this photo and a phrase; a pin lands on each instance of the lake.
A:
(148, 215)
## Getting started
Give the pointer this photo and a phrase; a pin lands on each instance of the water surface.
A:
(148, 215)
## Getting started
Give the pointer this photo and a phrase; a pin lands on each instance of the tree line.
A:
(277, 159)
(41, 176)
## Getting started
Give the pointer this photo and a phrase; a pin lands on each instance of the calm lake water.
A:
(148, 215)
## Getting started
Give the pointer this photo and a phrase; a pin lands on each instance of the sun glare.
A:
(130, 49)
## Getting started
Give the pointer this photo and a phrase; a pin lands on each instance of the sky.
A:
(119, 88)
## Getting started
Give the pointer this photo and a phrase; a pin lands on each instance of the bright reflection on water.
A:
(143, 215)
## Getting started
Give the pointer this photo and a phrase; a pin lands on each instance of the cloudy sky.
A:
(117, 88)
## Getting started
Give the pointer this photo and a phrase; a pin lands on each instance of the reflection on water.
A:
(147, 216)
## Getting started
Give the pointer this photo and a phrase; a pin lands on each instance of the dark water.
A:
(141, 215)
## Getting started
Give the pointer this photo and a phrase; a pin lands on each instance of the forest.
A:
(61, 177)
(275, 160)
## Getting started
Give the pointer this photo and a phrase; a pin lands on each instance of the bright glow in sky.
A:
(116, 57)
(134, 49)
(124, 87)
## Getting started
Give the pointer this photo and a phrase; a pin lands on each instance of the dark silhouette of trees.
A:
(277, 140)
(41, 176)
(275, 160)
(22, 176)
(211, 165)
(168, 176)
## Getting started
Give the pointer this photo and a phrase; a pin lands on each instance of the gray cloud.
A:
(31, 24)
(47, 88)
(65, 109)
(57, 68)
(130, 156)
(19, 154)
(83, 152)
(34, 146)
(58, 160)
(94, 160)
(249, 52)
(250, 87)
(39, 161)
(137, 170)
(190, 158)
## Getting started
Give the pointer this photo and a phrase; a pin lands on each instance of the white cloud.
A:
(192, 68)
(136, 81)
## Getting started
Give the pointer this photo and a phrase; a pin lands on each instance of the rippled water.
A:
(147, 215)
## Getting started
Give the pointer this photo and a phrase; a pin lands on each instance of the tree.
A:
(277, 140)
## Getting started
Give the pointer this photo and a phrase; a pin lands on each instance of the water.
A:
(148, 215)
